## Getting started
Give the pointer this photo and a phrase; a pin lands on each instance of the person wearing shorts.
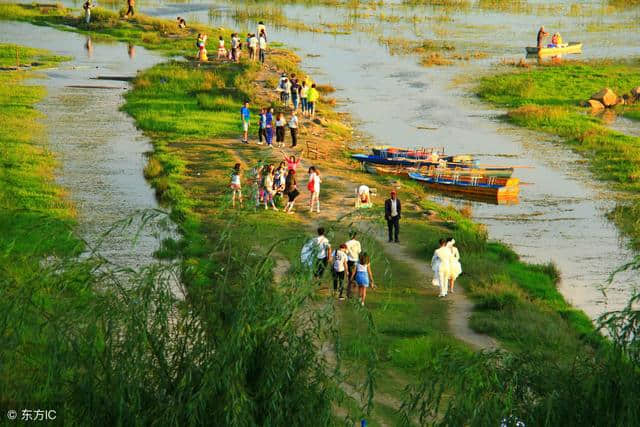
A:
(245, 115)
(236, 187)
(363, 276)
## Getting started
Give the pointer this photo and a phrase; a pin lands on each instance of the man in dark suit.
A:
(392, 212)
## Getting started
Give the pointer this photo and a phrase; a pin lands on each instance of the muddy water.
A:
(100, 152)
(562, 212)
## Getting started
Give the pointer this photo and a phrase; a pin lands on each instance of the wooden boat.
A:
(490, 188)
(572, 47)
(447, 161)
(399, 170)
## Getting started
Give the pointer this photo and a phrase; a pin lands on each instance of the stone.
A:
(606, 96)
(636, 92)
(595, 105)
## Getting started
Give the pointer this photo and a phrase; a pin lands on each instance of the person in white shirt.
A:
(353, 254)
(322, 249)
(340, 268)
(444, 268)
(435, 264)
(293, 128)
(456, 267)
(314, 188)
(253, 47)
(262, 45)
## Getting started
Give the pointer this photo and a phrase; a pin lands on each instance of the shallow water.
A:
(561, 215)
(562, 212)
(100, 152)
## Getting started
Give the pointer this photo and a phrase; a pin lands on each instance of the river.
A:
(561, 216)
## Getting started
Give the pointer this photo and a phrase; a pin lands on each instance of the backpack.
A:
(307, 253)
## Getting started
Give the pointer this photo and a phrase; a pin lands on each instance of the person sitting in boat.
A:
(433, 157)
(363, 199)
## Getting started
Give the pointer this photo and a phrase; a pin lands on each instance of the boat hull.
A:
(546, 51)
(493, 189)
(400, 170)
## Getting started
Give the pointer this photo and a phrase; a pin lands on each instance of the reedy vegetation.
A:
(547, 97)
(234, 318)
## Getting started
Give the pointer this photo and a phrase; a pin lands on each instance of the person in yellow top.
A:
(312, 98)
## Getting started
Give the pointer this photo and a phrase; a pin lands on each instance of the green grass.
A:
(34, 212)
(546, 98)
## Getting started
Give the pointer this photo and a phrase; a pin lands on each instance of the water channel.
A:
(100, 153)
(561, 216)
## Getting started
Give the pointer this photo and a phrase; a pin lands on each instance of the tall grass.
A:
(546, 98)
(589, 388)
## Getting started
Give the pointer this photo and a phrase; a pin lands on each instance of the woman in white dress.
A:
(444, 268)
(435, 264)
(455, 267)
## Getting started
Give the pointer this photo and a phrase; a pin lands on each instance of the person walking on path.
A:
(444, 268)
(235, 47)
(304, 93)
(262, 126)
(455, 268)
(280, 126)
(293, 128)
(363, 276)
(262, 29)
(130, 11)
(322, 249)
(291, 190)
(393, 213)
(339, 270)
(353, 254)
(435, 264)
(295, 92)
(245, 115)
(314, 188)
(236, 187)
(253, 47)
(269, 127)
(87, 11)
(312, 99)
(222, 51)
(262, 46)
(269, 191)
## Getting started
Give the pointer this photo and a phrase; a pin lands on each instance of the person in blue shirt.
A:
(245, 114)
(269, 127)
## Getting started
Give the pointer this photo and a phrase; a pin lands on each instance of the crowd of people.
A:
(446, 266)
(350, 266)
(271, 185)
(255, 45)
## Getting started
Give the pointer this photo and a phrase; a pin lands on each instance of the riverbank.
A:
(196, 142)
(35, 212)
(547, 98)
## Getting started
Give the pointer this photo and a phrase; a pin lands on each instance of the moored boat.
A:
(491, 188)
(572, 47)
(498, 172)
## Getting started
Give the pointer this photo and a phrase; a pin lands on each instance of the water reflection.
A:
(101, 153)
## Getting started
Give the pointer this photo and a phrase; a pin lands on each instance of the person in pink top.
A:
(292, 163)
